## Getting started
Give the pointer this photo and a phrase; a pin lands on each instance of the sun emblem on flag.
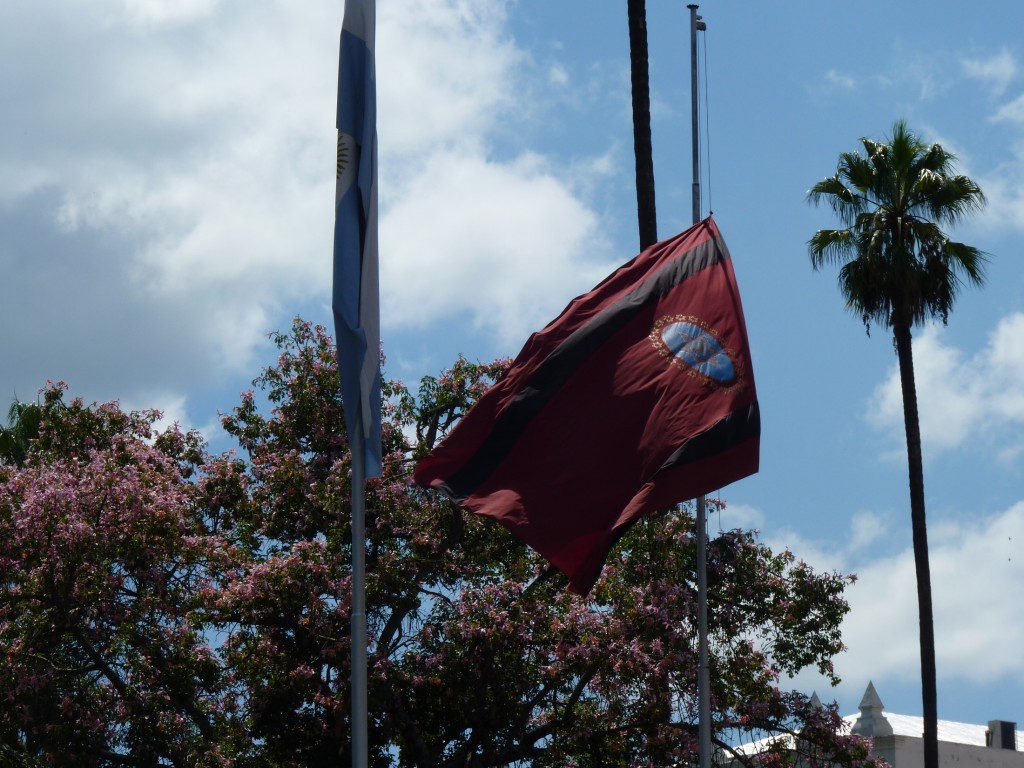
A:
(693, 346)
(348, 164)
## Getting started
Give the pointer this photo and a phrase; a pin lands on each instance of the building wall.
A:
(908, 752)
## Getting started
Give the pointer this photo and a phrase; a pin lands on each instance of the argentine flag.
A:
(356, 290)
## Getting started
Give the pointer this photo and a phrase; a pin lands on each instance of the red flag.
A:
(638, 396)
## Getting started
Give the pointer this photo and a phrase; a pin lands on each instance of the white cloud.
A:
(1006, 356)
(998, 70)
(912, 70)
(866, 528)
(504, 242)
(976, 564)
(737, 516)
(823, 556)
(558, 75)
(1004, 192)
(960, 398)
(208, 163)
(947, 393)
(177, 159)
(447, 75)
(840, 79)
(149, 13)
(1012, 111)
(173, 409)
(880, 631)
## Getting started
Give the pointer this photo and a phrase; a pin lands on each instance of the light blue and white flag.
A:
(356, 290)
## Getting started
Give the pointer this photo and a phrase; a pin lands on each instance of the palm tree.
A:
(898, 269)
(23, 422)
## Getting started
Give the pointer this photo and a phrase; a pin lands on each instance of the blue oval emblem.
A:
(699, 350)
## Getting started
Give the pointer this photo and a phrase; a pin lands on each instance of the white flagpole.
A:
(700, 521)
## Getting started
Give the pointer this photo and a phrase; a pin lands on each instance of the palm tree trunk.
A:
(642, 148)
(904, 351)
(646, 212)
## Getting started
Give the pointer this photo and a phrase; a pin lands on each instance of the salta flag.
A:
(640, 395)
(356, 293)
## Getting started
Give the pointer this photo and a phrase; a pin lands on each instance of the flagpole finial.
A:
(701, 26)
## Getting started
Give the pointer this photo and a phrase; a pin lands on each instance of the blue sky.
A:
(166, 178)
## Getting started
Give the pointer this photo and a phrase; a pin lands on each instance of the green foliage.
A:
(896, 264)
(23, 420)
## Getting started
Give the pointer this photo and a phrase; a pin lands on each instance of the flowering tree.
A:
(160, 606)
(106, 549)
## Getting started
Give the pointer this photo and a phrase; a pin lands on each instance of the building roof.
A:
(873, 722)
(955, 733)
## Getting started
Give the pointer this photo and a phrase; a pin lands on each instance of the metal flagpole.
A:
(360, 747)
(700, 522)
(355, 302)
